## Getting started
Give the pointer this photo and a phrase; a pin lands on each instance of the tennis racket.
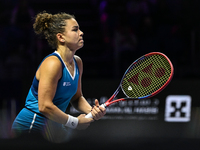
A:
(144, 78)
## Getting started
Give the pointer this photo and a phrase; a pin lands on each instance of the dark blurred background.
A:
(115, 34)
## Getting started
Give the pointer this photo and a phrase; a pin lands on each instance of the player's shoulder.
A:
(50, 67)
(52, 62)
(78, 59)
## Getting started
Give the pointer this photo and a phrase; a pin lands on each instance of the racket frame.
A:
(109, 101)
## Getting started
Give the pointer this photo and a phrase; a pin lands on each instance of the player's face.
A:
(73, 35)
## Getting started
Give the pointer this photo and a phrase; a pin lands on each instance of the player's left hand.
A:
(97, 111)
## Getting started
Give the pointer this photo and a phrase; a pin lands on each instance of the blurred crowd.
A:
(16, 39)
(133, 28)
(129, 29)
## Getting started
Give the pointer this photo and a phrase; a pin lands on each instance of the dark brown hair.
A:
(49, 25)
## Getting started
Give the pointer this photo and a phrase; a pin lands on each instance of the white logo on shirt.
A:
(66, 84)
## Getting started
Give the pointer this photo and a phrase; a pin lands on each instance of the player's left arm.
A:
(80, 103)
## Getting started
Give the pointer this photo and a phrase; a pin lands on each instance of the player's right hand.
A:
(83, 122)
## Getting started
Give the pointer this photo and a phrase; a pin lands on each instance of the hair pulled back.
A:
(49, 25)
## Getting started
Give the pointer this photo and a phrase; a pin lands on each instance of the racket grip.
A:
(90, 114)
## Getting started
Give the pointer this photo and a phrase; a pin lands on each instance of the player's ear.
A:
(60, 37)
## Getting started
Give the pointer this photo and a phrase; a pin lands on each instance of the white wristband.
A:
(72, 122)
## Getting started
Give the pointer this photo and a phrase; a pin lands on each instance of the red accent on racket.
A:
(144, 78)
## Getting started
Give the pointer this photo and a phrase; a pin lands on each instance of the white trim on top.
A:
(73, 77)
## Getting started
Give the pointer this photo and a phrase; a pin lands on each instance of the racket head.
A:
(147, 76)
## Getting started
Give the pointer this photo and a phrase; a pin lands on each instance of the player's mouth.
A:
(81, 40)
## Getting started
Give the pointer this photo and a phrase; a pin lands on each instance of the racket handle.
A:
(90, 114)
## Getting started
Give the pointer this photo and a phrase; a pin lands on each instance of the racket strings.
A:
(146, 76)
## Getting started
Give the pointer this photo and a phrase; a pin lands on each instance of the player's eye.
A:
(75, 29)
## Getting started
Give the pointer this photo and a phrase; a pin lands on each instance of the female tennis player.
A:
(57, 82)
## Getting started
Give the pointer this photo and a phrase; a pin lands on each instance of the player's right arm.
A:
(48, 74)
